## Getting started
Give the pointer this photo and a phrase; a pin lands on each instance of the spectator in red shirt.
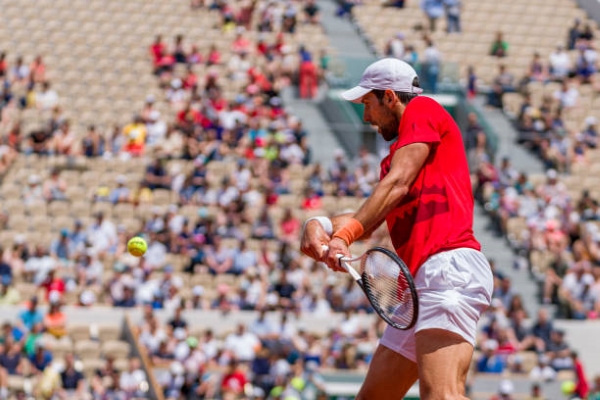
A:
(157, 48)
(214, 56)
(234, 379)
(240, 44)
(311, 201)
(186, 119)
(190, 80)
(53, 283)
(290, 226)
(3, 65)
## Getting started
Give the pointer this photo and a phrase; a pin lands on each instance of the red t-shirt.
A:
(437, 213)
(234, 382)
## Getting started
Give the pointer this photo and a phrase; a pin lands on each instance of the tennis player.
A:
(425, 196)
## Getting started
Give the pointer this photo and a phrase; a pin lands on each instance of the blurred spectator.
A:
(219, 259)
(560, 64)
(93, 144)
(73, 382)
(503, 83)
(19, 72)
(31, 315)
(505, 391)
(542, 371)
(432, 64)
(46, 98)
(38, 142)
(312, 12)
(453, 9)
(41, 358)
(135, 134)
(574, 34)
(242, 343)
(234, 380)
(9, 295)
(263, 228)
(290, 226)
(575, 290)
(101, 234)
(558, 351)
(308, 77)
(157, 176)
(54, 188)
(433, 9)
(63, 140)
(567, 96)
(488, 361)
(499, 46)
(471, 82)
(131, 381)
(537, 69)
(121, 193)
(55, 321)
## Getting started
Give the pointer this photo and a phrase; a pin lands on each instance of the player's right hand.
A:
(313, 239)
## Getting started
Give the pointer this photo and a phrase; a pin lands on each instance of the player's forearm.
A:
(340, 220)
(387, 194)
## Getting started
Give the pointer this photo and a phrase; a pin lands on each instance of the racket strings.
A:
(388, 288)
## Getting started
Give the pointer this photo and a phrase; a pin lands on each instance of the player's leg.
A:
(443, 359)
(389, 377)
(455, 288)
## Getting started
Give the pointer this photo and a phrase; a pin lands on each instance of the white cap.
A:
(387, 73)
(87, 297)
(506, 387)
(197, 290)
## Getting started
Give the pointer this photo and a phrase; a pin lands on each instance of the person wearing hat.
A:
(426, 197)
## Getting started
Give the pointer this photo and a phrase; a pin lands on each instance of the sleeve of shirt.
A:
(420, 123)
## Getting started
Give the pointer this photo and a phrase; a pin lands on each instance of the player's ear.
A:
(390, 97)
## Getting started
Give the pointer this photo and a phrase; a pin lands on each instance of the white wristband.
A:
(325, 223)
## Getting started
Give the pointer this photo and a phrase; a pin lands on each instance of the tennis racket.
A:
(387, 283)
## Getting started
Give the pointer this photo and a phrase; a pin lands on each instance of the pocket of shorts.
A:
(456, 276)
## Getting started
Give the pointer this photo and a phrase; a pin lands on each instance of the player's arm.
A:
(405, 166)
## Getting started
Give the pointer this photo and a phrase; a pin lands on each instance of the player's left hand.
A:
(313, 239)
(336, 246)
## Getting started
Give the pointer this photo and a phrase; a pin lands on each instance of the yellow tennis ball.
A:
(137, 246)
(568, 387)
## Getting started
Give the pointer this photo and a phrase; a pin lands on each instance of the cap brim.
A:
(355, 94)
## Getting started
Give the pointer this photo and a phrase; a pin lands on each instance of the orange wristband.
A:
(350, 232)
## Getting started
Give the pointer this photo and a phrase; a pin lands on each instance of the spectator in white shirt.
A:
(102, 234)
(542, 372)
(560, 64)
(242, 344)
(46, 98)
(132, 379)
(567, 96)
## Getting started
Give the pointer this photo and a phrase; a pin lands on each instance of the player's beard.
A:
(389, 128)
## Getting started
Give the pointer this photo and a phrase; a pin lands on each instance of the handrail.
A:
(155, 390)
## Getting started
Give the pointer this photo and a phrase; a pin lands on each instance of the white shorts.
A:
(454, 289)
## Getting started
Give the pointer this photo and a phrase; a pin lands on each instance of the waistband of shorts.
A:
(446, 253)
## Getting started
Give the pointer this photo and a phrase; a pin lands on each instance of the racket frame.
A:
(344, 262)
